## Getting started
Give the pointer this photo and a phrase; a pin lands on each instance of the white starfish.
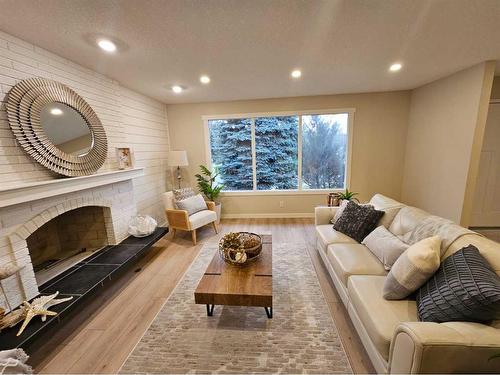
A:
(40, 306)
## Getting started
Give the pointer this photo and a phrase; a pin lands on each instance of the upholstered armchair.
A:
(180, 219)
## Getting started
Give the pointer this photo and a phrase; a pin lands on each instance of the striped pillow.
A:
(413, 268)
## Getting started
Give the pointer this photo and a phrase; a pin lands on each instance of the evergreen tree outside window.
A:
(298, 152)
(276, 152)
(231, 148)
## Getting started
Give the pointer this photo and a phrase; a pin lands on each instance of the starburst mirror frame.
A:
(24, 105)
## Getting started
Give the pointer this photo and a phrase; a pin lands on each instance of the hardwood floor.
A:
(100, 337)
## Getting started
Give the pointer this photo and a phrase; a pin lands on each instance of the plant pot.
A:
(218, 207)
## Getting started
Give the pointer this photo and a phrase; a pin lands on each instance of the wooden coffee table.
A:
(251, 285)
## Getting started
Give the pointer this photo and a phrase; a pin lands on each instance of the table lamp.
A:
(178, 159)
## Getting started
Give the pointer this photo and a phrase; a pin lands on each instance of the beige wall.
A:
(380, 125)
(446, 126)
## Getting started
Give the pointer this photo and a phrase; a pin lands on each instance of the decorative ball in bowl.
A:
(240, 248)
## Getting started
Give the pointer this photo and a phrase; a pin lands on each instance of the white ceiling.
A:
(249, 47)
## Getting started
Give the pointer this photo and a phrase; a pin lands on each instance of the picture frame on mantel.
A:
(125, 158)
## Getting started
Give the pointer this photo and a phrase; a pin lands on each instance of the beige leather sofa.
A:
(390, 330)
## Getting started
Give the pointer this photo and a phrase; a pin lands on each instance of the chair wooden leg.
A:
(193, 236)
(173, 232)
(215, 227)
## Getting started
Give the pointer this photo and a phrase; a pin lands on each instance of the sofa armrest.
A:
(323, 214)
(454, 347)
(178, 219)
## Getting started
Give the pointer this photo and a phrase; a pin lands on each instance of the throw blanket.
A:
(14, 362)
(437, 226)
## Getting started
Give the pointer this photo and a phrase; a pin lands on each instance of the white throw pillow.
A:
(192, 204)
(339, 211)
(385, 246)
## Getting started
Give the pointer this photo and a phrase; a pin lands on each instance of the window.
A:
(231, 147)
(324, 146)
(276, 142)
(296, 151)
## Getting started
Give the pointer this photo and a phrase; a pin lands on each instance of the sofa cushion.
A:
(406, 221)
(379, 316)
(390, 206)
(201, 218)
(357, 221)
(385, 246)
(465, 288)
(353, 259)
(326, 235)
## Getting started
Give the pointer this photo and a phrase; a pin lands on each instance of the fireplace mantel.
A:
(26, 192)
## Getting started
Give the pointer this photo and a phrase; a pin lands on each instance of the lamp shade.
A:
(177, 158)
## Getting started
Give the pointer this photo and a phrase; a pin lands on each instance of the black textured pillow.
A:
(357, 221)
(464, 288)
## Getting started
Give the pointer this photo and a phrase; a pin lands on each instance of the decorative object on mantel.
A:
(209, 188)
(40, 306)
(6, 271)
(12, 318)
(178, 159)
(13, 361)
(142, 226)
(38, 108)
(124, 157)
(240, 248)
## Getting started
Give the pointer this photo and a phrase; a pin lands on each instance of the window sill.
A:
(247, 193)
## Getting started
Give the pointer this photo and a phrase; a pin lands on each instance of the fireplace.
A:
(66, 240)
(48, 226)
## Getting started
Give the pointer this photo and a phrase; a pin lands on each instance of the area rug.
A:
(300, 338)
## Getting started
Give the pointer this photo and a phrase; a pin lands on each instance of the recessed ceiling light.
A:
(205, 79)
(395, 67)
(56, 111)
(296, 73)
(177, 89)
(107, 45)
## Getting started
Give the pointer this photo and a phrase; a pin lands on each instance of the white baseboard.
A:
(295, 215)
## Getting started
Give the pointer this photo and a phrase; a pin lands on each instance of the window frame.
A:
(252, 116)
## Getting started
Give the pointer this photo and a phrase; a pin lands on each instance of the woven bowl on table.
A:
(250, 246)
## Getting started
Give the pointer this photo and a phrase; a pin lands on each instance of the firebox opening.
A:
(66, 240)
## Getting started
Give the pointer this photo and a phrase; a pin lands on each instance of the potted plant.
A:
(346, 195)
(209, 188)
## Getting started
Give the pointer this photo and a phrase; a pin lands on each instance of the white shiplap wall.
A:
(130, 120)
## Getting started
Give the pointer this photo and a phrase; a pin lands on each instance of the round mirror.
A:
(66, 128)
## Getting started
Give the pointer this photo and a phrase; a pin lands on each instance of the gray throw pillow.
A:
(192, 204)
(385, 246)
(357, 221)
(464, 288)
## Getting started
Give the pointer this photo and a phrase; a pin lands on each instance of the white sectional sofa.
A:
(396, 341)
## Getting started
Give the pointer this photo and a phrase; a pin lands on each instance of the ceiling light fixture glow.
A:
(395, 67)
(56, 112)
(296, 73)
(205, 79)
(177, 89)
(106, 45)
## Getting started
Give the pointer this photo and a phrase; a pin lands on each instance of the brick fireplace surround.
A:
(22, 219)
